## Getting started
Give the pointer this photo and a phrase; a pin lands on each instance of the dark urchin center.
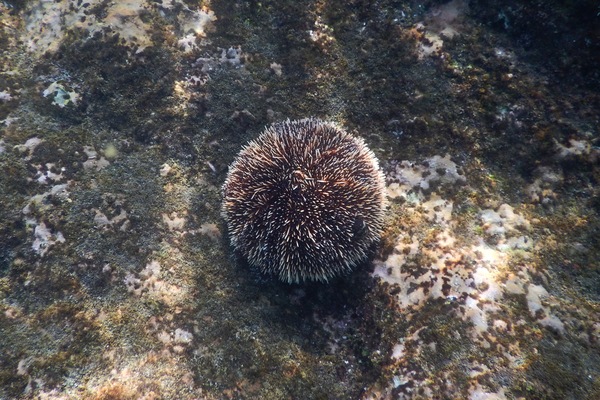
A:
(316, 229)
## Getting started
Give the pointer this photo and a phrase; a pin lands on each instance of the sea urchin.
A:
(304, 201)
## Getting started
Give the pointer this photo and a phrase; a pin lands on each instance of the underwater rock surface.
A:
(118, 121)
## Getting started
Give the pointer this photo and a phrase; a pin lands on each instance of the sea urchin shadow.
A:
(304, 201)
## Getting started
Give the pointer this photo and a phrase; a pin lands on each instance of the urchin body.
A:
(304, 201)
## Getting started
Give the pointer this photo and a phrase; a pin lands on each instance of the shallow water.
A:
(118, 122)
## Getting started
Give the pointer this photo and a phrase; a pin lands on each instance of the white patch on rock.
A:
(61, 95)
(478, 393)
(40, 201)
(182, 336)
(44, 238)
(48, 23)
(29, 146)
(5, 96)
(173, 221)
(431, 262)
(93, 162)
